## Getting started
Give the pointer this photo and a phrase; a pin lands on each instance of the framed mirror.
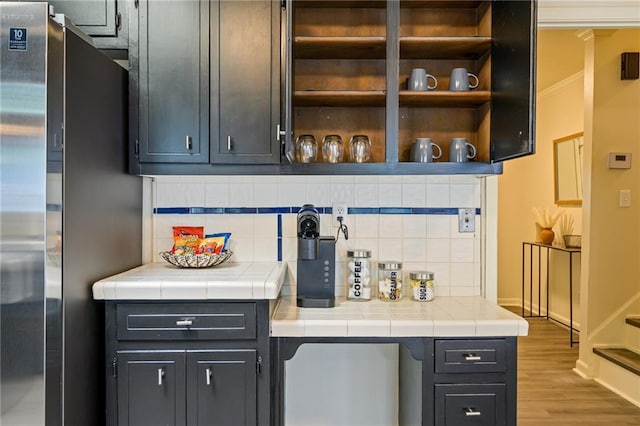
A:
(567, 159)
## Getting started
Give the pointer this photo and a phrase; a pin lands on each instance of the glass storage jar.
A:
(390, 281)
(359, 278)
(422, 286)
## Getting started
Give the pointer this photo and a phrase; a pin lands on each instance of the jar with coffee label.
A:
(422, 286)
(390, 281)
(359, 275)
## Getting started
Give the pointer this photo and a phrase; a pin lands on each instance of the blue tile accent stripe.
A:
(322, 210)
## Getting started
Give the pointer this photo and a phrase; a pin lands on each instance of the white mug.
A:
(419, 80)
(460, 150)
(459, 81)
(422, 151)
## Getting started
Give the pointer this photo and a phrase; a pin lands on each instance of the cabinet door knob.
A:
(208, 374)
(472, 357)
(185, 322)
(469, 411)
(228, 143)
(188, 142)
(160, 376)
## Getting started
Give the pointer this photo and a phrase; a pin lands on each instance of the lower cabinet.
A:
(478, 405)
(473, 382)
(165, 368)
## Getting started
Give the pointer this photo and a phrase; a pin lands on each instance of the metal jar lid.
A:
(389, 264)
(358, 253)
(421, 275)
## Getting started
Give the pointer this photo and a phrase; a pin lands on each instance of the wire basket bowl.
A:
(196, 260)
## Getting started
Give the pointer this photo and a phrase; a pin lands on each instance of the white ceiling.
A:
(560, 54)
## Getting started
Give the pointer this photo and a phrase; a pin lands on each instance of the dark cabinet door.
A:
(247, 79)
(151, 388)
(512, 79)
(172, 67)
(222, 388)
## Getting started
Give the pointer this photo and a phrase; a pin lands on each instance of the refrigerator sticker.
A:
(17, 38)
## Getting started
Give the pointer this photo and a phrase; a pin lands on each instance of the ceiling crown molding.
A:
(588, 14)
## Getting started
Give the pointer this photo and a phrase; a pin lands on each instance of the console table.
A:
(540, 247)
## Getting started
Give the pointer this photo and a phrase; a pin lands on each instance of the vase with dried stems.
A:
(545, 220)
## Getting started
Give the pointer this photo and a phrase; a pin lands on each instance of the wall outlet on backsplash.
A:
(340, 210)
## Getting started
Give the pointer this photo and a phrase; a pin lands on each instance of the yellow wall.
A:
(611, 267)
(528, 182)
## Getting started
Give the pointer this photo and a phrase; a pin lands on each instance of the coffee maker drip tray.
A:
(315, 302)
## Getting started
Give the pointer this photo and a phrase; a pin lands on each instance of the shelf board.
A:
(471, 47)
(444, 98)
(369, 4)
(441, 4)
(339, 98)
(401, 168)
(340, 47)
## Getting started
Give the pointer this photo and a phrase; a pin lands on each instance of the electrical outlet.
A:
(466, 220)
(340, 210)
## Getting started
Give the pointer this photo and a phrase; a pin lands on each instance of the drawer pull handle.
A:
(229, 143)
(186, 322)
(160, 376)
(471, 412)
(472, 357)
(188, 142)
(208, 374)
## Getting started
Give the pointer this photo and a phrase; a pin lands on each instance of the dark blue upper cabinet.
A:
(512, 79)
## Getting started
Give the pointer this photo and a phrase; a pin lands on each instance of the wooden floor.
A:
(550, 393)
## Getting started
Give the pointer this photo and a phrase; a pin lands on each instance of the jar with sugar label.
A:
(422, 286)
(390, 281)
(359, 278)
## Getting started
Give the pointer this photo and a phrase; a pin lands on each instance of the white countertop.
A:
(442, 317)
(162, 281)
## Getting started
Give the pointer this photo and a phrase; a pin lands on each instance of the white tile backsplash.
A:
(421, 241)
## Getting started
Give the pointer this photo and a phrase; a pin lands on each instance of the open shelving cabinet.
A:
(347, 68)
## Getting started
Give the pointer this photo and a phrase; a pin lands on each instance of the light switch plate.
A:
(466, 220)
(624, 198)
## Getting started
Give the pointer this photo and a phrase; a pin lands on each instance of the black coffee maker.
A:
(316, 262)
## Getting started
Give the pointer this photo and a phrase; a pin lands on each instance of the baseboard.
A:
(619, 381)
(582, 369)
(617, 392)
(543, 312)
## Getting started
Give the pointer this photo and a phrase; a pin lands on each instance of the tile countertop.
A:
(161, 281)
(442, 317)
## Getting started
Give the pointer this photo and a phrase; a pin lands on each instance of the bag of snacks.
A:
(215, 243)
(186, 239)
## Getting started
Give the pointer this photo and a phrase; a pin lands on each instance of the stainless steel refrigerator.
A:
(69, 215)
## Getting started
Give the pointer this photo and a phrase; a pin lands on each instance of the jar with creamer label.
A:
(422, 286)
(390, 281)
(359, 275)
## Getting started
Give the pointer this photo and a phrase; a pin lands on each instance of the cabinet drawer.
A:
(477, 405)
(195, 321)
(470, 356)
